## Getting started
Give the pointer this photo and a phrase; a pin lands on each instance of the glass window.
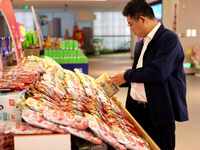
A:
(26, 18)
(112, 28)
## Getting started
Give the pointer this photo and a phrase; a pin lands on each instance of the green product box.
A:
(53, 54)
(46, 52)
(80, 53)
(70, 53)
(71, 43)
(58, 60)
(61, 60)
(35, 38)
(85, 60)
(78, 60)
(69, 60)
(62, 45)
(67, 44)
(73, 53)
(75, 45)
(58, 54)
(55, 59)
(62, 53)
(65, 53)
(81, 60)
(49, 53)
(66, 60)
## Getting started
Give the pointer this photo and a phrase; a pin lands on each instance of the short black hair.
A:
(137, 8)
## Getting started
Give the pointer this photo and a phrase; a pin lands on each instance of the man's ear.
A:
(143, 19)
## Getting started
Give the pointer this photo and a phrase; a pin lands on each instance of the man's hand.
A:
(117, 79)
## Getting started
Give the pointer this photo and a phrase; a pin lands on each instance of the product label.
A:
(11, 102)
(109, 88)
(5, 116)
(12, 117)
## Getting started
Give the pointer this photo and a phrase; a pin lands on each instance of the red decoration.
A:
(8, 13)
(78, 35)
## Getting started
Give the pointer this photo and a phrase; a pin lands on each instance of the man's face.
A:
(136, 26)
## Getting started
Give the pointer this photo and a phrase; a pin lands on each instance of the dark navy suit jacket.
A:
(163, 77)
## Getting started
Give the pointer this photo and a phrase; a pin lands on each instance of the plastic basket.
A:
(30, 52)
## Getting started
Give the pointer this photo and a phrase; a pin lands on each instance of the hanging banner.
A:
(8, 13)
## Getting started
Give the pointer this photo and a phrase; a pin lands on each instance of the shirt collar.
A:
(153, 31)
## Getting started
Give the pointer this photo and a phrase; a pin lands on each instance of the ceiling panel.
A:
(73, 4)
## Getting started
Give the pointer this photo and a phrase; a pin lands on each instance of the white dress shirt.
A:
(137, 89)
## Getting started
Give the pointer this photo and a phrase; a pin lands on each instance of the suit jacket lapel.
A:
(139, 45)
(138, 49)
(150, 51)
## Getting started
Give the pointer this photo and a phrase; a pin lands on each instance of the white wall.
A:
(67, 21)
(189, 12)
(187, 18)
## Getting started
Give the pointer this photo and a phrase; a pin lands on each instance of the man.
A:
(157, 87)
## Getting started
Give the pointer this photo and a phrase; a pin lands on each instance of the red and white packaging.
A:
(66, 118)
(6, 141)
(83, 134)
(103, 131)
(18, 127)
(37, 105)
(37, 119)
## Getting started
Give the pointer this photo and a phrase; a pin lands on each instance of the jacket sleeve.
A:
(125, 85)
(168, 54)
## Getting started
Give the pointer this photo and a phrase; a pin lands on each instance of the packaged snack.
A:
(83, 134)
(103, 131)
(18, 127)
(66, 118)
(37, 105)
(37, 119)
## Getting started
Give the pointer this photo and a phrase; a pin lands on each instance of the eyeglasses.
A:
(133, 20)
(130, 24)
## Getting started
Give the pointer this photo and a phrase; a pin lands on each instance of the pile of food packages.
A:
(63, 101)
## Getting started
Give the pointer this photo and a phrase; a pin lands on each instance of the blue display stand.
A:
(81, 67)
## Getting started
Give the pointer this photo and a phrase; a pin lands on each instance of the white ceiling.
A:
(73, 4)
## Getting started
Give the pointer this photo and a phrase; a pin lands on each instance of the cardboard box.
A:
(34, 52)
(8, 108)
(43, 142)
(142, 132)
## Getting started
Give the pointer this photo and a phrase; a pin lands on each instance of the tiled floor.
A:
(187, 133)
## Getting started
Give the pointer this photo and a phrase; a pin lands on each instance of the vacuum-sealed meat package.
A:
(66, 118)
(83, 134)
(18, 127)
(37, 119)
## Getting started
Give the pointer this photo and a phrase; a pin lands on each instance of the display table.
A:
(64, 142)
(42, 142)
